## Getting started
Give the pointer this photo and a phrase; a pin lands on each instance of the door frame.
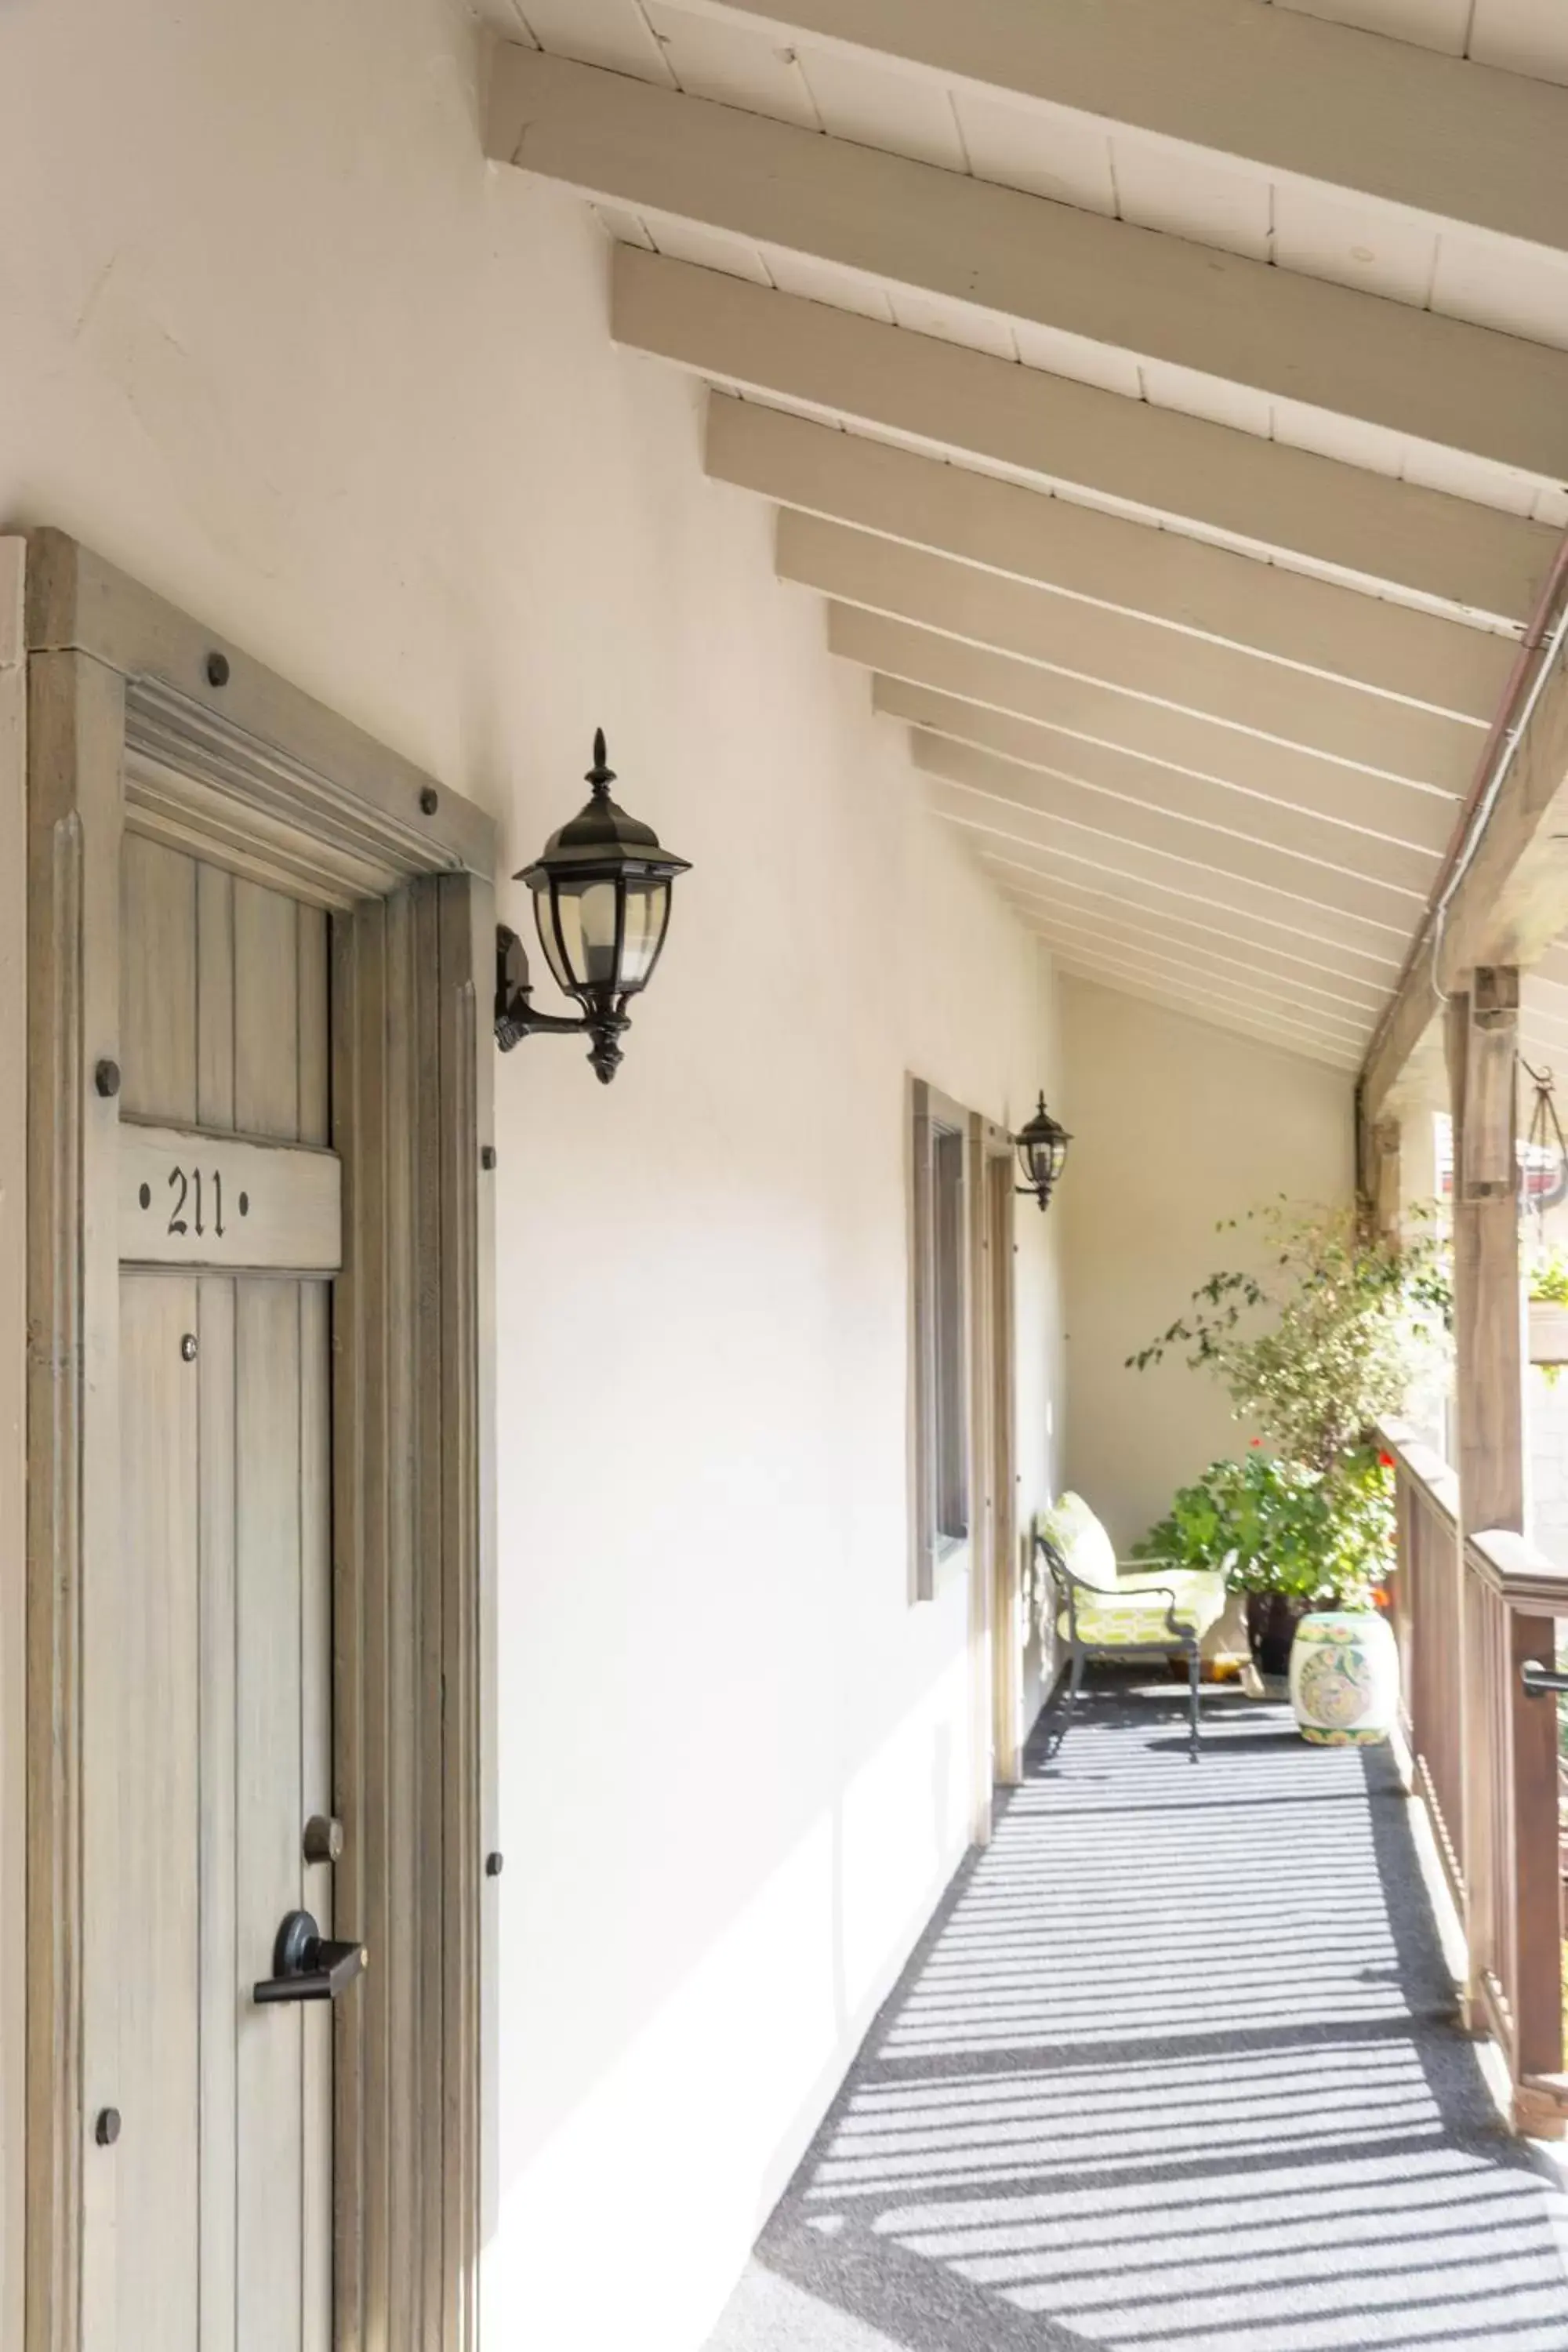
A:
(140, 719)
(996, 1702)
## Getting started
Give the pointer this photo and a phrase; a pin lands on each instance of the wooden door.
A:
(210, 2230)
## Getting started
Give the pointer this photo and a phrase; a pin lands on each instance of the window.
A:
(940, 1332)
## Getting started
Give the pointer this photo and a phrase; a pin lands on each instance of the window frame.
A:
(941, 1434)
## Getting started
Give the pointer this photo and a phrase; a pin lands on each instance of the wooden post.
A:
(1489, 1401)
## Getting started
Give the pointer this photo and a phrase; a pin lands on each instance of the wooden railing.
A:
(1485, 1762)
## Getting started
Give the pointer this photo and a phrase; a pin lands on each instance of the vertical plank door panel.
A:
(223, 1987)
(316, 1774)
(159, 1860)
(269, 1869)
(266, 1013)
(158, 982)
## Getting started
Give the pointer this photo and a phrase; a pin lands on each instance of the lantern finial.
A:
(600, 776)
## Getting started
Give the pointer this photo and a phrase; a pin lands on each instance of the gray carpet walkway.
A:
(1174, 2070)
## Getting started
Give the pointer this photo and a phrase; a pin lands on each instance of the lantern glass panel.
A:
(648, 913)
(586, 915)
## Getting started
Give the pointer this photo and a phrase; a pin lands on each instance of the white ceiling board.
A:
(1113, 918)
(1058, 353)
(1215, 1010)
(1031, 866)
(1495, 283)
(1159, 184)
(705, 249)
(1176, 832)
(1552, 507)
(1429, 24)
(1340, 237)
(952, 321)
(1410, 867)
(1209, 396)
(1240, 989)
(906, 114)
(1088, 845)
(732, 63)
(1471, 478)
(612, 33)
(1101, 715)
(1047, 151)
(815, 281)
(624, 227)
(1527, 37)
(1347, 439)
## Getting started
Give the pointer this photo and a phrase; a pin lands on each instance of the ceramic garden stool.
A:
(1344, 1677)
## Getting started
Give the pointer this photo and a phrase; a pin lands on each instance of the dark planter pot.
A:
(1271, 1622)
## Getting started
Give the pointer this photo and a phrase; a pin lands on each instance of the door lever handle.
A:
(308, 1965)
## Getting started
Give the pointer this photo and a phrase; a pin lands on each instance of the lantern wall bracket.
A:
(515, 1017)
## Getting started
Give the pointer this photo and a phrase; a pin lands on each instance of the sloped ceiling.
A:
(1167, 399)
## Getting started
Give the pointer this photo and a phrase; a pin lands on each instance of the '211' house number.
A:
(197, 1194)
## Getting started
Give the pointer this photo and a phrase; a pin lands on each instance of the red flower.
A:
(1255, 1441)
(1387, 1459)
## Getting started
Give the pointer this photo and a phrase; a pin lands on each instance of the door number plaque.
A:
(204, 1200)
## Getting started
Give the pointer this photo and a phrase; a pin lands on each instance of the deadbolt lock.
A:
(323, 1838)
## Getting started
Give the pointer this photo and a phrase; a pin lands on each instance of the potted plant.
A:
(1314, 1348)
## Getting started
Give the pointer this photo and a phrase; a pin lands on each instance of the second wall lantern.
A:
(1042, 1149)
(601, 904)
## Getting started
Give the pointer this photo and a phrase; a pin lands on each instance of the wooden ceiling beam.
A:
(1247, 857)
(1131, 656)
(1104, 912)
(978, 810)
(1018, 256)
(1151, 731)
(1155, 461)
(1049, 542)
(1283, 90)
(1408, 866)
(1171, 895)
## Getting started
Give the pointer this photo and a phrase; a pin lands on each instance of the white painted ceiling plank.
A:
(1525, 36)
(1216, 1011)
(1440, 24)
(1056, 431)
(713, 250)
(1032, 866)
(1272, 86)
(1112, 853)
(1164, 187)
(1133, 656)
(611, 33)
(1341, 847)
(731, 62)
(1331, 235)
(1238, 988)
(1046, 151)
(1026, 535)
(1077, 709)
(1174, 832)
(901, 113)
(1095, 915)
(940, 233)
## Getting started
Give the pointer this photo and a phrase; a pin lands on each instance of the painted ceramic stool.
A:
(1344, 1677)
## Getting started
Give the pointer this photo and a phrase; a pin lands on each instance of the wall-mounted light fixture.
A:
(1042, 1149)
(601, 902)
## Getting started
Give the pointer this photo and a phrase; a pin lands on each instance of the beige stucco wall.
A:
(1177, 1124)
(277, 341)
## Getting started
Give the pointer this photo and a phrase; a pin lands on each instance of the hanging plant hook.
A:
(1545, 1137)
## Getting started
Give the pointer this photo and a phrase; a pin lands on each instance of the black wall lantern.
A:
(1042, 1151)
(601, 902)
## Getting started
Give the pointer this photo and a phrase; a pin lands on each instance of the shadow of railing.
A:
(1175, 2066)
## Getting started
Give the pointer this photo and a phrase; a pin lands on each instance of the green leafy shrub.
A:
(1273, 1526)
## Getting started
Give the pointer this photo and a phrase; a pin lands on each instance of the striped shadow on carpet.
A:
(1173, 2069)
